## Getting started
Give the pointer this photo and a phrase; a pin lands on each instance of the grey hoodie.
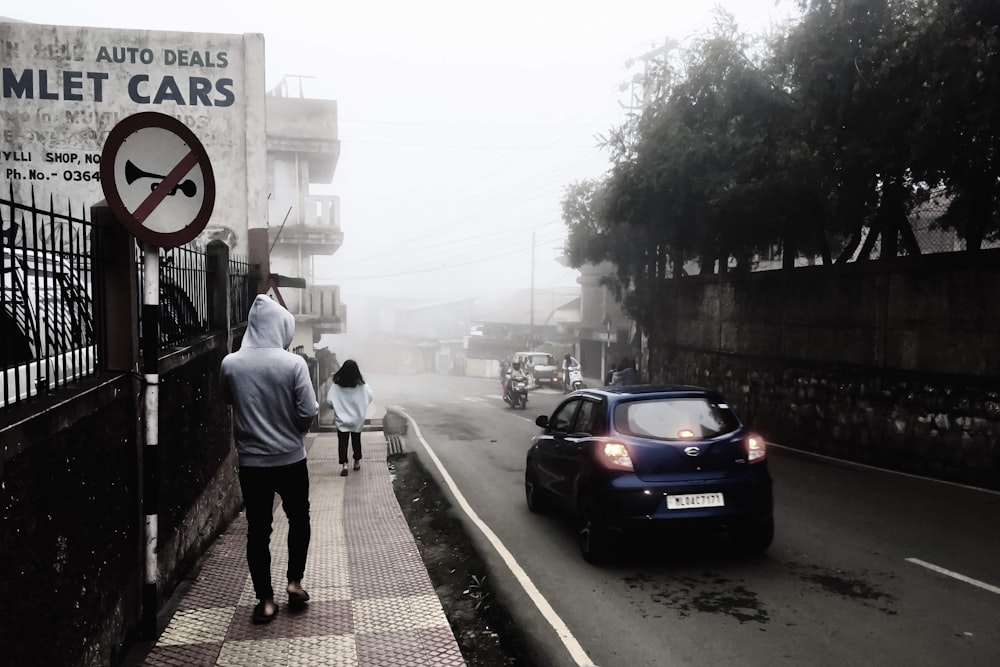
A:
(269, 389)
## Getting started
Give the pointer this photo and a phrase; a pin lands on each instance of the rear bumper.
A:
(628, 503)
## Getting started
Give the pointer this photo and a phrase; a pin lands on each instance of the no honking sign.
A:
(157, 179)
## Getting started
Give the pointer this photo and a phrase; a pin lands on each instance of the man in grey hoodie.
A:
(274, 404)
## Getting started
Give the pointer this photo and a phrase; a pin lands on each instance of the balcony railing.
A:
(316, 229)
(322, 210)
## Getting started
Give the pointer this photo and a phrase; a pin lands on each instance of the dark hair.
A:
(348, 375)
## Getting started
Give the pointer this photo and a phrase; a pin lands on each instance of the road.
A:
(867, 566)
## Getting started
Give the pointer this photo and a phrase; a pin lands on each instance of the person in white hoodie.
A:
(349, 397)
(274, 404)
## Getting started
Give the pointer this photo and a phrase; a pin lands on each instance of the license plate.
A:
(694, 501)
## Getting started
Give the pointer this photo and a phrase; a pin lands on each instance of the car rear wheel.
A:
(753, 538)
(594, 540)
(533, 493)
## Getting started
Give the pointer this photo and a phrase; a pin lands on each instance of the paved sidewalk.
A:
(372, 602)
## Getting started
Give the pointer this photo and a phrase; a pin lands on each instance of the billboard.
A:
(64, 88)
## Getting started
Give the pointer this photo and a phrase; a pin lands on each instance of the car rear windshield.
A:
(543, 360)
(675, 418)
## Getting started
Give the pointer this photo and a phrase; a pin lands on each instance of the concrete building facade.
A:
(303, 147)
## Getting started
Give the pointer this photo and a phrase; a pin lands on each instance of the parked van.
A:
(46, 325)
(541, 367)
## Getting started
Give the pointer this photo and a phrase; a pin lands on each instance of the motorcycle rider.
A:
(515, 368)
(567, 364)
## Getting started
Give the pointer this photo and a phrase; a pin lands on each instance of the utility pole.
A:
(531, 315)
(650, 83)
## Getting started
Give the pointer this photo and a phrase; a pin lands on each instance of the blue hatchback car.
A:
(640, 457)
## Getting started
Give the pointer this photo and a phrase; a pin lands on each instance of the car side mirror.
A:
(542, 420)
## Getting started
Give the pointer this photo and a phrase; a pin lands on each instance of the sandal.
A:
(259, 612)
(297, 600)
(343, 471)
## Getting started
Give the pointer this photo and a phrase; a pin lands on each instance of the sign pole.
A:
(158, 181)
(151, 376)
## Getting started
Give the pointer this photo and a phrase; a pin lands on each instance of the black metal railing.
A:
(47, 336)
(241, 290)
(46, 308)
(183, 293)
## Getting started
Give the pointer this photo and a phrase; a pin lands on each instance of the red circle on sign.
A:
(197, 158)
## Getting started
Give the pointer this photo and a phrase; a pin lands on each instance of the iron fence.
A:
(185, 306)
(183, 294)
(46, 306)
(241, 290)
(932, 222)
(47, 338)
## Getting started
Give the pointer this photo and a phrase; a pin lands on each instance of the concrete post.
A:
(116, 333)
(219, 300)
(116, 297)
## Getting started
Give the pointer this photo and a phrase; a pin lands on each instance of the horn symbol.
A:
(134, 173)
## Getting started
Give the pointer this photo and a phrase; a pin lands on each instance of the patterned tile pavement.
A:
(372, 602)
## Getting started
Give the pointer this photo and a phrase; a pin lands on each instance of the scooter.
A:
(575, 380)
(516, 394)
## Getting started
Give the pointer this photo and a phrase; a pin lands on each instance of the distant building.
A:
(601, 331)
(303, 147)
(531, 320)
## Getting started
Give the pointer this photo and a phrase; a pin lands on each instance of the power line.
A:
(451, 124)
(477, 258)
(434, 269)
(458, 146)
(451, 224)
(468, 243)
(498, 164)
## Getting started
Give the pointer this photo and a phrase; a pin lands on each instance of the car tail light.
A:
(756, 448)
(614, 455)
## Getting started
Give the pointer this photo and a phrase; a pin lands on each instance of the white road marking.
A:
(558, 625)
(474, 399)
(955, 575)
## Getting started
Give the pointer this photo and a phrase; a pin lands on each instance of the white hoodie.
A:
(349, 406)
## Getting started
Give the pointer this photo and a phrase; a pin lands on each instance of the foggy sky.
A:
(461, 122)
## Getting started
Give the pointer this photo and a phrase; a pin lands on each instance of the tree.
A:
(852, 66)
(828, 135)
(702, 156)
(959, 124)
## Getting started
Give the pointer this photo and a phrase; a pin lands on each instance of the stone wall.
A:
(71, 514)
(894, 364)
(71, 530)
(199, 483)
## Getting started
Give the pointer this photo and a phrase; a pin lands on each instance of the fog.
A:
(461, 123)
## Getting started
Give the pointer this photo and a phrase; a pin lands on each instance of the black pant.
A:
(259, 485)
(342, 445)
